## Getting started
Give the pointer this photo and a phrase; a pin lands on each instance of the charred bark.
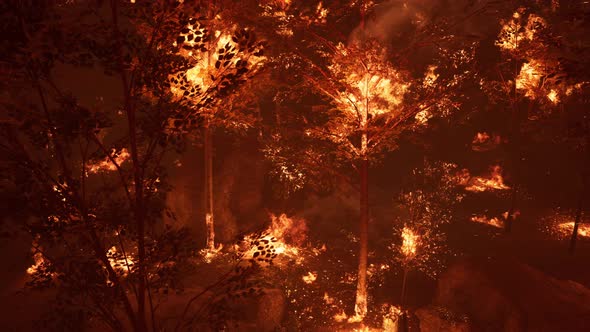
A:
(208, 160)
(361, 291)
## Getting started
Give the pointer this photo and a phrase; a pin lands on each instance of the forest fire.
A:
(295, 165)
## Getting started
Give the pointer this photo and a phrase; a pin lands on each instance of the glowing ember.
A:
(321, 13)
(37, 257)
(107, 165)
(484, 142)
(391, 317)
(39, 260)
(310, 277)
(340, 317)
(553, 96)
(423, 116)
(328, 299)
(494, 182)
(209, 254)
(481, 138)
(496, 222)
(430, 77)
(119, 261)
(410, 242)
(529, 78)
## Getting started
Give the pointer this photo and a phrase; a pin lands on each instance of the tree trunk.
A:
(403, 293)
(208, 159)
(578, 218)
(511, 211)
(403, 318)
(361, 289)
(585, 173)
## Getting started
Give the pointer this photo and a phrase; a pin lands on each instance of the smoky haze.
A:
(392, 22)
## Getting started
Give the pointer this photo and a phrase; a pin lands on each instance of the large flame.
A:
(529, 78)
(287, 237)
(370, 87)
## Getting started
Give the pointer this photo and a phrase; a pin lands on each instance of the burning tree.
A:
(571, 121)
(431, 203)
(221, 59)
(370, 103)
(530, 83)
(90, 177)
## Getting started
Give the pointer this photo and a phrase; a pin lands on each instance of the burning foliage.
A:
(519, 29)
(220, 59)
(110, 163)
(494, 181)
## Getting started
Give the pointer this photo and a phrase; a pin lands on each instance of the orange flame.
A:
(484, 141)
(529, 78)
(119, 262)
(567, 228)
(494, 182)
(495, 222)
(287, 235)
(409, 242)
(107, 165)
(38, 258)
(515, 31)
(310, 277)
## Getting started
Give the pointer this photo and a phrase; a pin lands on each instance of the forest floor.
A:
(526, 243)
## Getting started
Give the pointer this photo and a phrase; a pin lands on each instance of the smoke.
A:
(393, 22)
